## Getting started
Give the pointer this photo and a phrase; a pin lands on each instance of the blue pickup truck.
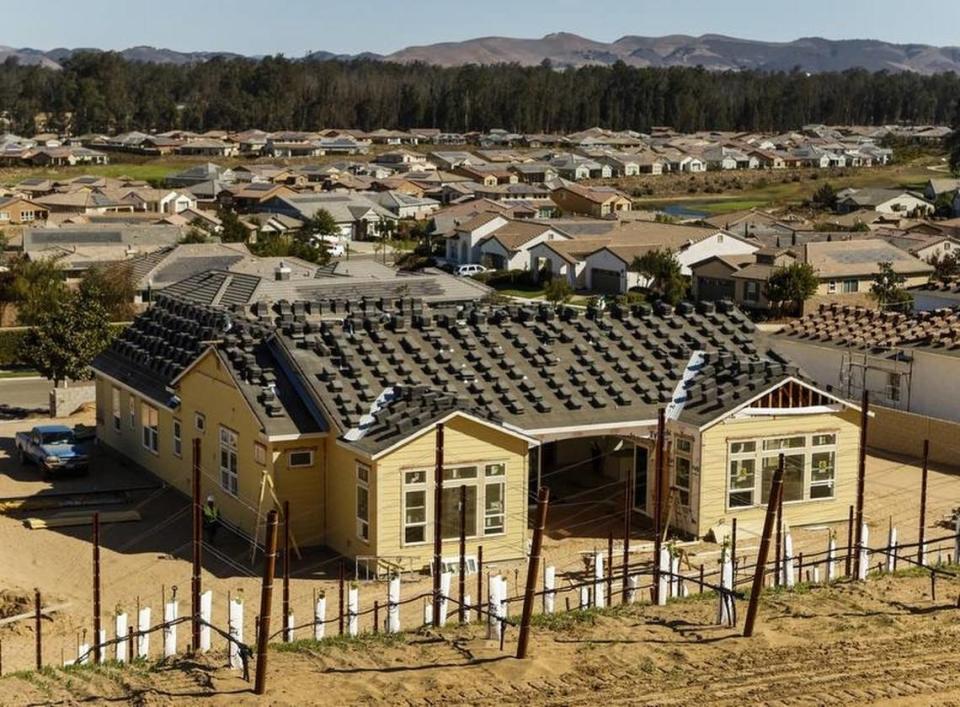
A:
(53, 448)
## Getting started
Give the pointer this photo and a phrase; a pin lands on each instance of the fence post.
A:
(788, 567)
(663, 578)
(658, 494)
(891, 549)
(480, 583)
(598, 598)
(120, 630)
(196, 602)
(38, 628)
(286, 573)
(776, 490)
(266, 600)
(849, 554)
(861, 477)
(353, 610)
(319, 616)
(627, 529)
(235, 629)
(393, 605)
(543, 500)
(170, 611)
(342, 599)
(921, 549)
(462, 608)
(863, 553)
(437, 525)
(956, 540)
(143, 632)
(97, 644)
(549, 591)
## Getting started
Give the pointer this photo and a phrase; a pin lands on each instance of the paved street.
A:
(22, 396)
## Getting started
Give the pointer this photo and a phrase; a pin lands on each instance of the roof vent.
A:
(282, 272)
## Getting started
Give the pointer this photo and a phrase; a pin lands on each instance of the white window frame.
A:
(362, 490)
(848, 283)
(260, 453)
(229, 460)
(177, 437)
(683, 452)
(832, 287)
(415, 481)
(292, 465)
(115, 408)
(150, 433)
(765, 448)
(132, 411)
(494, 475)
(200, 422)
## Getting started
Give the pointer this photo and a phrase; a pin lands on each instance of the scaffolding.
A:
(885, 372)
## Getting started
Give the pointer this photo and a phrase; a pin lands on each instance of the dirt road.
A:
(882, 642)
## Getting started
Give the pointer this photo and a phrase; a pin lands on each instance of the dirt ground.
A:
(145, 560)
(882, 642)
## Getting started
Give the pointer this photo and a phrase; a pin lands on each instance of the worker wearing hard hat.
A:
(211, 519)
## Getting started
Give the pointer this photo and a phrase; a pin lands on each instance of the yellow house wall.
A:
(714, 469)
(465, 442)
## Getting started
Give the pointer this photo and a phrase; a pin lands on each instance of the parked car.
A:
(54, 448)
(470, 269)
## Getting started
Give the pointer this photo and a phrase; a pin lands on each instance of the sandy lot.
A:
(143, 561)
(884, 642)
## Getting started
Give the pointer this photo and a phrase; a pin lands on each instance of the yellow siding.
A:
(465, 441)
(714, 469)
(341, 502)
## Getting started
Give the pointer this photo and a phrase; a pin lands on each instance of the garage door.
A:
(606, 281)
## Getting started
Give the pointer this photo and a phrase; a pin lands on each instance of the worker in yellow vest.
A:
(211, 519)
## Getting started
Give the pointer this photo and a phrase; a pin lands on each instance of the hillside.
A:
(712, 51)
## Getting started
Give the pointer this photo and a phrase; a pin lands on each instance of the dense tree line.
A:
(106, 93)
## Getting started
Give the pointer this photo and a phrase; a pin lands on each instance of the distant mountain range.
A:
(712, 51)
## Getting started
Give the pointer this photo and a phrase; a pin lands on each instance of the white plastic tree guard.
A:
(120, 630)
(789, 572)
(891, 549)
(445, 580)
(143, 635)
(393, 605)
(864, 552)
(599, 597)
(170, 629)
(235, 630)
(663, 579)
(831, 560)
(206, 616)
(319, 617)
(353, 611)
(549, 589)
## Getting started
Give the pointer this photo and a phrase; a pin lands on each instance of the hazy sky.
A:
(294, 27)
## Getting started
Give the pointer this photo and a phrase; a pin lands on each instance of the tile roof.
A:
(860, 258)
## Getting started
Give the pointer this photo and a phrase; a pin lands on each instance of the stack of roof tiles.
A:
(875, 330)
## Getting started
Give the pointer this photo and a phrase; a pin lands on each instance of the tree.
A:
(825, 197)
(558, 291)
(36, 287)
(195, 234)
(887, 288)
(945, 268)
(663, 270)
(232, 229)
(113, 285)
(953, 143)
(793, 285)
(64, 339)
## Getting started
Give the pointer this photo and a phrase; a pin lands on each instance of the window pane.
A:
(450, 517)
(415, 477)
(820, 440)
(742, 474)
(496, 469)
(462, 472)
(784, 443)
(822, 466)
(821, 491)
(741, 498)
(741, 447)
(363, 509)
(792, 477)
(415, 534)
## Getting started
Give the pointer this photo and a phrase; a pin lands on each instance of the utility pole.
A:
(533, 568)
(437, 526)
(861, 476)
(776, 492)
(266, 599)
(286, 571)
(195, 587)
(38, 627)
(97, 648)
(658, 500)
(462, 613)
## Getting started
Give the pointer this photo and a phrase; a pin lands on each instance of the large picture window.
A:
(809, 471)
(151, 427)
(115, 407)
(363, 502)
(682, 464)
(228, 461)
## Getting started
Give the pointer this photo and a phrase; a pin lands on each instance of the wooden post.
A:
(97, 648)
(776, 491)
(286, 571)
(849, 542)
(437, 525)
(610, 568)
(921, 555)
(480, 583)
(266, 599)
(195, 588)
(658, 500)
(627, 529)
(733, 548)
(861, 477)
(533, 567)
(38, 627)
(779, 546)
(462, 611)
(340, 619)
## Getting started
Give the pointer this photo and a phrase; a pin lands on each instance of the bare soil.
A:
(882, 642)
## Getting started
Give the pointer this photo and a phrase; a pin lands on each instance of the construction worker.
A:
(211, 519)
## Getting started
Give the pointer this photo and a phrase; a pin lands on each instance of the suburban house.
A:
(508, 247)
(848, 267)
(17, 211)
(357, 215)
(887, 201)
(598, 202)
(336, 407)
(741, 279)
(405, 206)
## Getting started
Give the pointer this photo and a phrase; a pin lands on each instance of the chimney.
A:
(282, 272)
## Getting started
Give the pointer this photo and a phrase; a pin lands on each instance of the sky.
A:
(296, 27)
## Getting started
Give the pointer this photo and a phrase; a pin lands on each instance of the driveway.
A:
(22, 397)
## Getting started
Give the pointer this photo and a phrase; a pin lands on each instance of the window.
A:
(200, 422)
(150, 426)
(115, 407)
(177, 438)
(228, 461)
(414, 507)
(751, 291)
(259, 454)
(681, 470)
(850, 286)
(363, 502)
(809, 468)
(4, 215)
(300, 457)
(494, 492)
(832, 287)
(132, 411)
(893, 387)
